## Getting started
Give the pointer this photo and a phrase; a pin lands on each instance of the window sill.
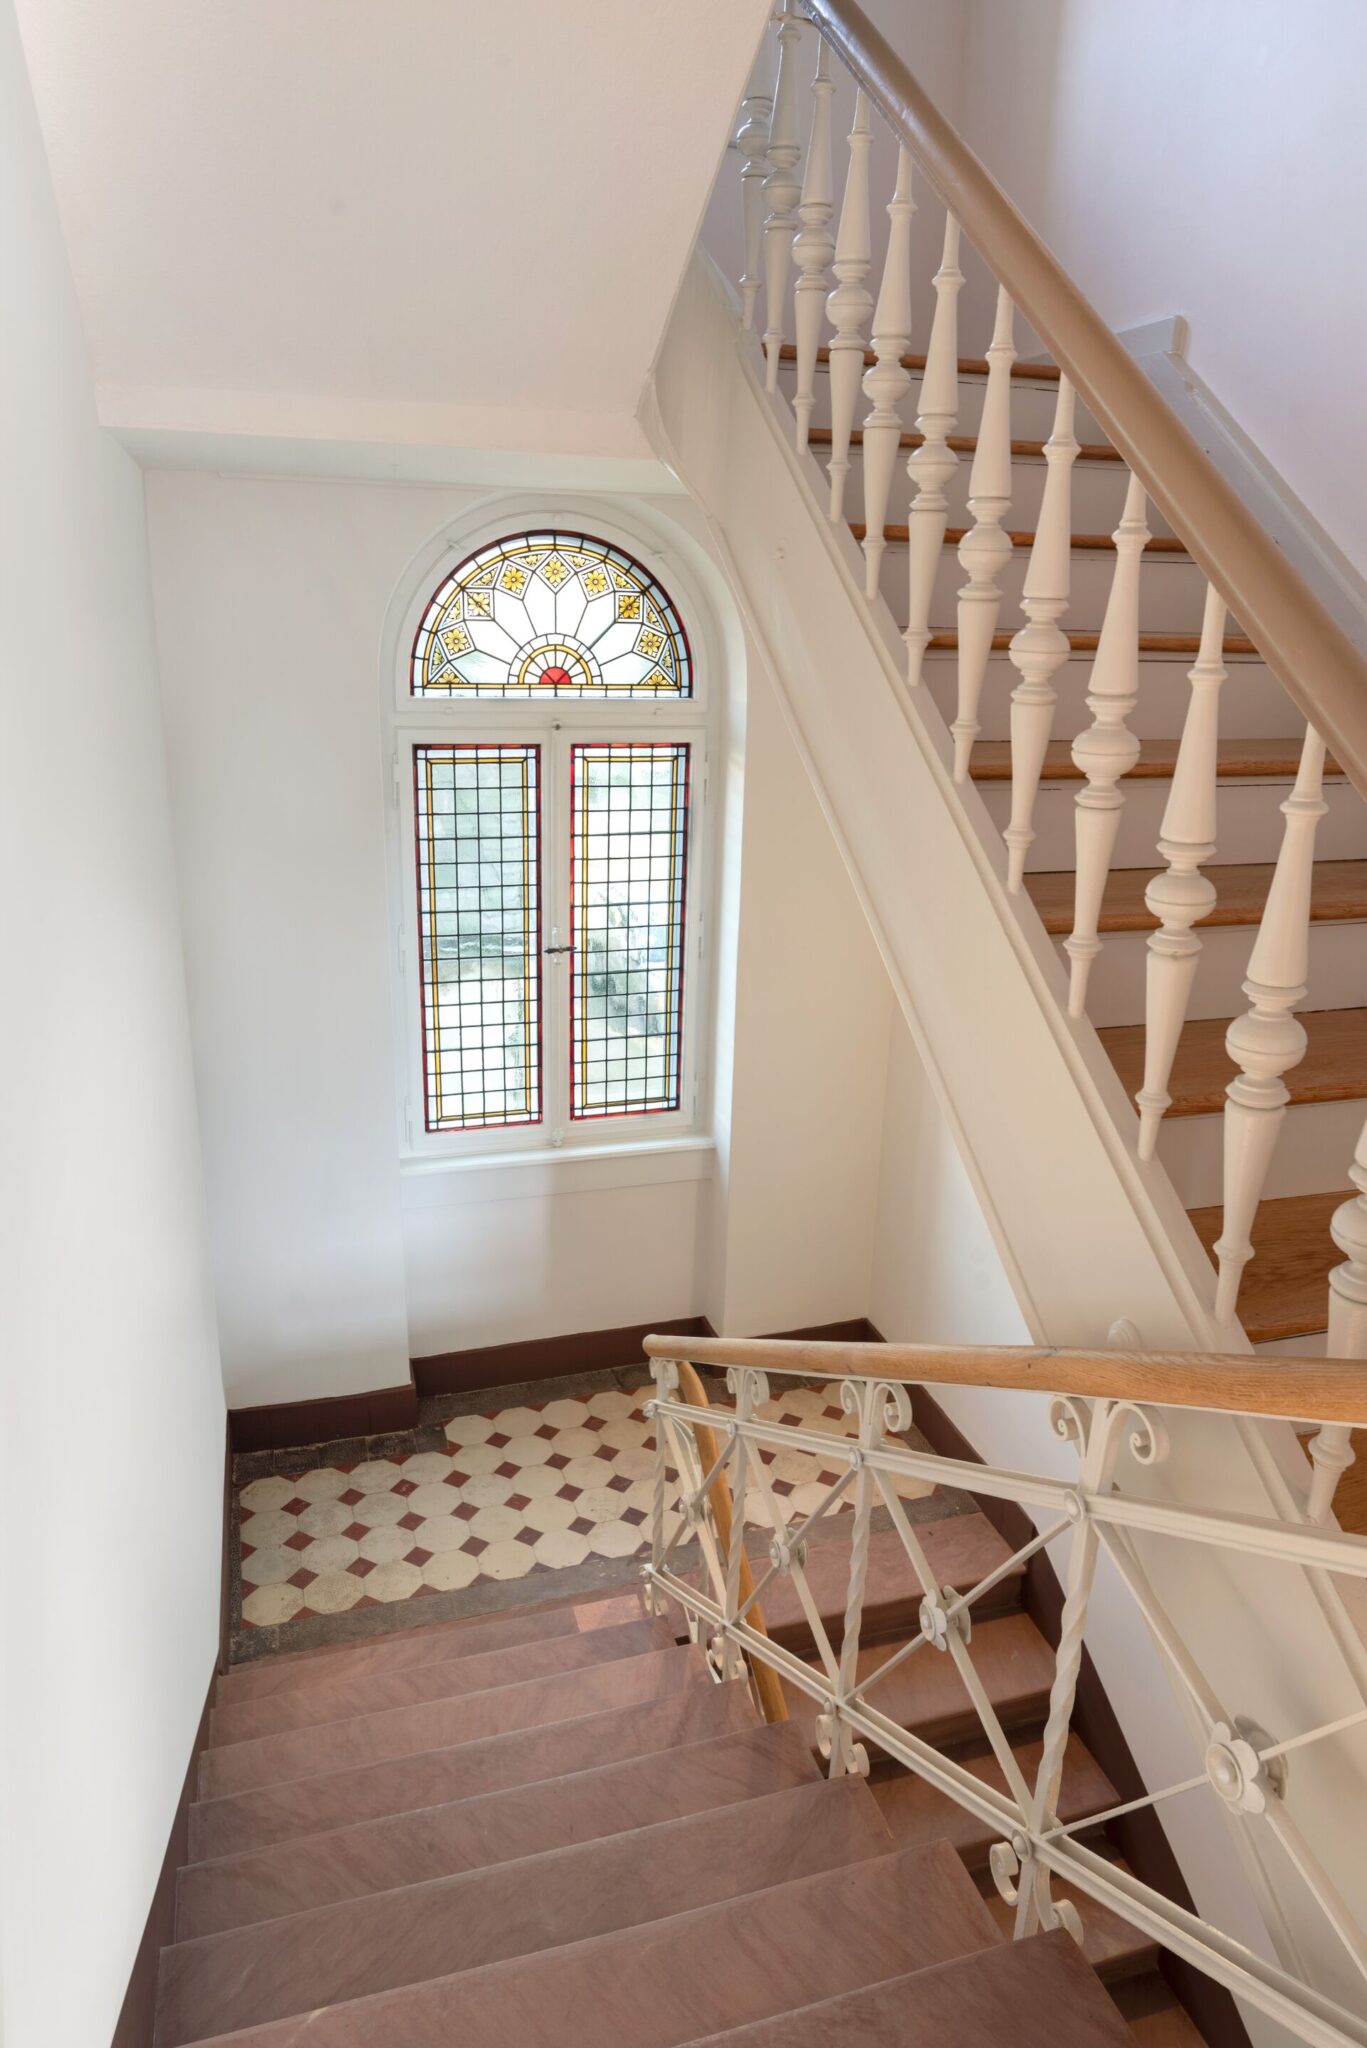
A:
(449, 1182)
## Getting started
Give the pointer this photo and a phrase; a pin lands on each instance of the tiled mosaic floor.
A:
(513, 1493)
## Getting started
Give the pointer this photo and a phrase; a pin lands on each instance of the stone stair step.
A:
(960, 1549)
(1114, 1949)
(336, 1954)
(497, 1827)
(916, 1812)
(524, 1756)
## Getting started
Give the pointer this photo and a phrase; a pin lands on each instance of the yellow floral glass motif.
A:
(551, 614)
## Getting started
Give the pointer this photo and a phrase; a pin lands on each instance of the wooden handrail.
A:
(768, 1685)
(1281, 1389)
(1312, 658)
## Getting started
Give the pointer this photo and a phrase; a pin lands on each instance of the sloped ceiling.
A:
(408, 220)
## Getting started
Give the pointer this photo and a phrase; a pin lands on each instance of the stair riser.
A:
(1032, 406)
(1250, 822)
(1253, 703)
(1172, 590)
(1116, 991)
(1314, 1149)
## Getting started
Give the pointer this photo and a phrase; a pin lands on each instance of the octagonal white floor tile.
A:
(575, 1443)
(549, 1513)
(382, 1546)
(559, 1548)
(334, 1592)
(601, 1503)
(395, 1581)
(495, 1525)
(329, 1554)
(525, 1451)
(487, 1490)
(442, 1532)
(506, 1560)
(324, 1484)
(472, 1458)
(376, 1475)
(565, 1414)
(611, 1406)
(625, 1435)
(269, 1567)
(267, 1605)
(517, 1421)
(267, 1493)
(433, 1499)
(449, 1571)
(469, 1429)
(540, 1482)
(637, 1464)
(272, 1526)
(426, 1467)
(582, 1472)
(380, 1510)
(324, 1518)
(617, 1539)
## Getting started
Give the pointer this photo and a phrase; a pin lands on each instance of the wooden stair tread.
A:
(1334, 1068)
(1153, 2016)
(695, 1973)
(1082, 543)
(497, 1827)
(1237, 759)
(946, 640)
(966, 444)
(926, 1693)
(916, 1812)
(341, 1698)
(1111, 1945)
(338, 1953)
(467, 1636)
(1285, 1285)
(523, 1756)
(969, 366)
(960, 1549)
(401, 1731)
(1038, 1993)
(1338, 893)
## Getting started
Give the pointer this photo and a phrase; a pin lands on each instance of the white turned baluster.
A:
(851, 303)
(1180, 896)
(1107, 750)
(1331, 1450)
(752, 139)
(886, 384)
(781, 191)
(932, 465)
(815, 245)
(1041, 647)
(985, 549)
(1269, 1039)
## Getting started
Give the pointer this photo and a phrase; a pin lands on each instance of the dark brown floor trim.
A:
(287, 1423)
(138, 2013)
(1139, 1836)
(545, 1358)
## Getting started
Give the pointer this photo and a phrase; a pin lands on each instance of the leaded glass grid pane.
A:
(628, 851)
(551, 614)
(477, 817)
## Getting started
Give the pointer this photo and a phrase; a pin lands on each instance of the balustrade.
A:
(782, 189)
(931, 467)
(887, 383)
(985, 549)
(814, 246)
(850, 304)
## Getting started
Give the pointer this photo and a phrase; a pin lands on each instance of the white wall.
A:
(111, 1509)
(1203, 161)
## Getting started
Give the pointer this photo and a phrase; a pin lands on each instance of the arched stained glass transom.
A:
(551, 615)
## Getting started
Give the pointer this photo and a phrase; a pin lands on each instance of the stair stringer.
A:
(1087, 1233)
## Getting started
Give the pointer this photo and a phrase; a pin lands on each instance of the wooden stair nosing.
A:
(969, 366)
(340, 1699)
(1036, 1993)
(967, 444)
(1334, 1068)
(1285, 1288)
(1082, 543)
(945, 640)
(1237, 760)
(521, 1756)
(1338, 895)
(695, 1973)
(334, 1954)
(468, 1717)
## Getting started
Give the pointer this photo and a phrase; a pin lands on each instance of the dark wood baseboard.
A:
(1139, 1837)
(285, 1425)
(137, 2016)
(545, 1358)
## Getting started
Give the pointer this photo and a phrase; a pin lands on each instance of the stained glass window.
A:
(551, 615)
(628, 846)
(477, 818)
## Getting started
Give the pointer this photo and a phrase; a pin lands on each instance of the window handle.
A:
(560, 949)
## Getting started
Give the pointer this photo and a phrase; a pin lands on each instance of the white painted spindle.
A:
(886, 384)
(782, 188)
(851, 303)
(815, 245)
(1269, 1040)
(932, 465)
(752, 140)
(1041, 647)
(1331, 1450)
(1107, 750)
(985, 549)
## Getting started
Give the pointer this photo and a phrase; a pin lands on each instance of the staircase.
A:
(556, 1828)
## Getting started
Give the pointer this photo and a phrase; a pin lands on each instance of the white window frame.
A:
(557, 723)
